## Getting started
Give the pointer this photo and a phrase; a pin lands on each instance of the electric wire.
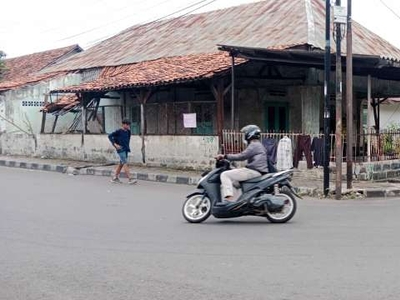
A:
(93, 42)
(111, 23)
(389, 8)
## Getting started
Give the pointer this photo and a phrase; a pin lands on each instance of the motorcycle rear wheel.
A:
(196, 208)
(287, 211)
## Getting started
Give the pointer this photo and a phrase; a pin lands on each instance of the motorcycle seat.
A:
(258, 179)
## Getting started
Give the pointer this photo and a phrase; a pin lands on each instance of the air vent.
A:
(32, 103)
(277, 93)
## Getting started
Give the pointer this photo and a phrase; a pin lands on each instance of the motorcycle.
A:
(270, 195)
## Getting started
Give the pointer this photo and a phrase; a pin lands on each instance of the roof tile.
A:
(158, 72)
(22, 70)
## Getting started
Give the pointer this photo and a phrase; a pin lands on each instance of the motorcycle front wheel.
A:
(196, 208)
(288, 210)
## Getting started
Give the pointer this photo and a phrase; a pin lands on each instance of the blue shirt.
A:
(122, 138)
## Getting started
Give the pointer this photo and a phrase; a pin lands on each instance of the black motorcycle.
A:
(270, 196)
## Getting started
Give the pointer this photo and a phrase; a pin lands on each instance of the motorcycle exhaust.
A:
(273, 204)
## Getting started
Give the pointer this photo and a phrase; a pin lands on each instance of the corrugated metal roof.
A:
(158, 72)
(258, 24)
(24, 69)
(269, 24)
(29, 79)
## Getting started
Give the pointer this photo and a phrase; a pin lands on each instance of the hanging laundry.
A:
(317, 147)
(284, 154)
(271, 146)
(303, 146)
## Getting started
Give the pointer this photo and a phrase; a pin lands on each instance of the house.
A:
(255, 63)
(22, 88)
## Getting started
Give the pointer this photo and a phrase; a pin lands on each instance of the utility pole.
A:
(327, 114)
(339, 84)
(349, 97)
(233, 92)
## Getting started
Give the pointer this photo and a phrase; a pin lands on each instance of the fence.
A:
(384, 145)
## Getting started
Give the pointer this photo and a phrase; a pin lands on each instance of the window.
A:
(135, 125)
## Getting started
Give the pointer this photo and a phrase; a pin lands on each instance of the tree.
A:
(2, 64)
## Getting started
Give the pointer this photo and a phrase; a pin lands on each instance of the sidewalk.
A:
(305, 182)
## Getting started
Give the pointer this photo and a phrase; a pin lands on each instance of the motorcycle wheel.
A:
(196, 209)
(287, 211)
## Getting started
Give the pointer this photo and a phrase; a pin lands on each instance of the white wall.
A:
(2, 114)
(33, 95)
(193, 152)
(390, 114)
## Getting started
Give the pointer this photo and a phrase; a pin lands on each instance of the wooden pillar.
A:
(124, 103)
(46, 100)
(369, 118)
(219, 92)
(54, 124)
(233, 92)
(83, 118)
(349, 97)
(143, 96)
(339, 106)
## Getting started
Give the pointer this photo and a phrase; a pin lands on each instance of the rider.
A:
(256, 156)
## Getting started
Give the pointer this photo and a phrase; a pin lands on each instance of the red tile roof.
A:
(158, 72)
(24, 69)
(63, 103)
(269, 24)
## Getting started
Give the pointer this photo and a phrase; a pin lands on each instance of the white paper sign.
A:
(189, 121)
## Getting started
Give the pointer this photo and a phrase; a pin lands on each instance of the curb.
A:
(144, 176)
(33, 166)
(377, 193)
(166, 178)
(98, 172)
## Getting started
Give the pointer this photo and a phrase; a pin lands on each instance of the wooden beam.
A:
(46, 99)
(143, 96)
(54, 124)
(375, 104)
(94, 113)
(83, 119)
(219, 92)
(227, 89)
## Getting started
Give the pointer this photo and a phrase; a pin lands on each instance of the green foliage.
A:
(391, 140)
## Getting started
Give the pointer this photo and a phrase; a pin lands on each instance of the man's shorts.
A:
(123, 157)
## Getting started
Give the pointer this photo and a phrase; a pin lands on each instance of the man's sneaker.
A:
(115, 180)
(132, 181)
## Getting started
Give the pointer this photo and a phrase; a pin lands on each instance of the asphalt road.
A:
(66, 237)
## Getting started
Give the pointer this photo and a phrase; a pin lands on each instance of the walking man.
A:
(120, 139)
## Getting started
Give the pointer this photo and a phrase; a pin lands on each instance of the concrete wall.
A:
(250, 108)
(191, 152)
(295, 106)
(311, 98)
(251, 105)
(378, 171)
(2, 113)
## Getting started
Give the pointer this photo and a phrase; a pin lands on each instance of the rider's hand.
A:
(220, 156)
(118, 147)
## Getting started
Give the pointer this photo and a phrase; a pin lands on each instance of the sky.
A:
(28, 26)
